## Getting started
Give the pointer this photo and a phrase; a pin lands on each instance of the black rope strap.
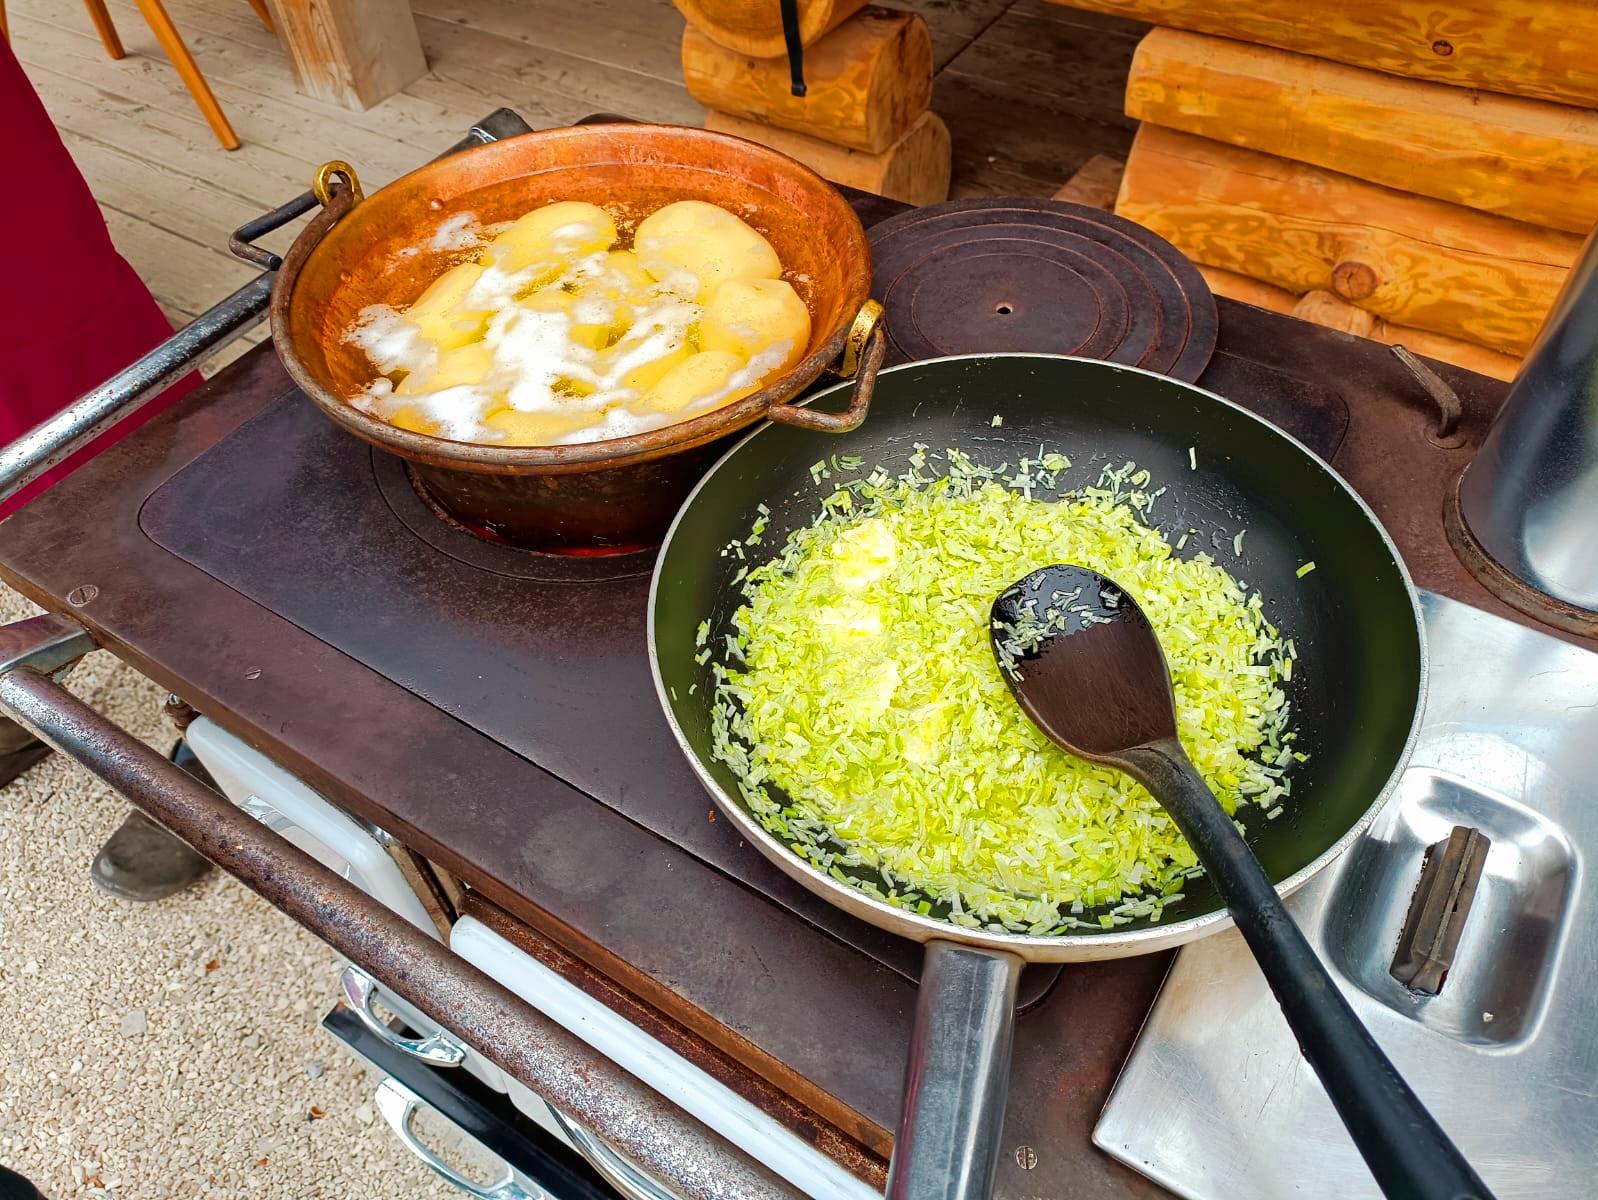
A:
(796, 46)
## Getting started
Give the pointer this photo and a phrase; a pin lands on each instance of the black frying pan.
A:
(1356, 691)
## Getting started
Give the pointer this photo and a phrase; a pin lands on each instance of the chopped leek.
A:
(862, 712)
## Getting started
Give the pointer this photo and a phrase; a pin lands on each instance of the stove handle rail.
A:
(97, 410)
(639, 1124)
(611, 1167)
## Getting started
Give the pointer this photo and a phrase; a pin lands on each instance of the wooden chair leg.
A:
(106, 30)
(167, 34)
(5, 30)
(265, 14)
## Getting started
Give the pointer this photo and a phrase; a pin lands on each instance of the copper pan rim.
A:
(855, 320)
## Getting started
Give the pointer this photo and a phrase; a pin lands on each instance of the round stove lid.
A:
(1041, 276)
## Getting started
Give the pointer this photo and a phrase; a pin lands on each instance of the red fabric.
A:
(72, 312)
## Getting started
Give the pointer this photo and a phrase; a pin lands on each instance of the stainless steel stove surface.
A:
(1216, 1102)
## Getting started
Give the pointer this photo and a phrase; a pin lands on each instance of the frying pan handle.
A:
(958, 1076)
(1406, 1150)
(862, 357)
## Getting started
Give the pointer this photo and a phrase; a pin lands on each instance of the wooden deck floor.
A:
(1030, 92)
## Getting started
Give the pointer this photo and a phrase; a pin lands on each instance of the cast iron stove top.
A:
(546, 653)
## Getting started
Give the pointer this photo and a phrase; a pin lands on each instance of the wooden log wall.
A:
(1546, 49)
(1408, 170)
(1416, 261)
(1529, 160)
(915, 169)
(1326, 308)
(866, 82)
(864, 119)
(755, 26)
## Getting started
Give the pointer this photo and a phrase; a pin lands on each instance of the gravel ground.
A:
(171, 1049)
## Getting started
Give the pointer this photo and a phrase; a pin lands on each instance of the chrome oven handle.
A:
(615, 1170)
(436, 1050)
(398, 1104)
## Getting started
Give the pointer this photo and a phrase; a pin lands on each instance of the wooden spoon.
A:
(1084, 664)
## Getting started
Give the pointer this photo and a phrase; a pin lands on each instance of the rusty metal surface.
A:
(644, 1126)
(619, 491)
(824, 1023)
(1391, 453)
(981, 276)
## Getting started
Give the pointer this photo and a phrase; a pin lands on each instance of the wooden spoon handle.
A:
(1407, 1151)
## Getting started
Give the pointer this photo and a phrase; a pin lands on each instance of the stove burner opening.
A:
(489, 534)
(1004, 310)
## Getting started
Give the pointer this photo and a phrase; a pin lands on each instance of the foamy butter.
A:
(459, 232)
(392, 342)
(536, 363)
(458, 411)
(536, 348)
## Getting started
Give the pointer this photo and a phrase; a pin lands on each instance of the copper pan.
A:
(621, 492)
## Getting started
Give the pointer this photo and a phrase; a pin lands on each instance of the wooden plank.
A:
(352, 52)
(177, 140)
(637, 35)
(1082, 18)
(1414, 260)
(306, 137)
(182, 274)
(1097, 184)
(866, 82)
(548, 87)
(955, 24)
(238, 51)
(1338, 313)
(914, 169)
(1529, 160)
(164, 198)
(756, 29)
(1006, 144)
(471, 71)
(1546, 49)
(1034, 97)
(1067, 68)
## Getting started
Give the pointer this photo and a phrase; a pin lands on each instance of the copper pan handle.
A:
(337, 189)
(862, 358)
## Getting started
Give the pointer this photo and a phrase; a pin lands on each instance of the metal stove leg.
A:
(649, 1130)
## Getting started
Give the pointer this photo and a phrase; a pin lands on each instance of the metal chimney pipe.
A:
(1529, 500)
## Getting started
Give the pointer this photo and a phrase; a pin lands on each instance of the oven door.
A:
(355, 850)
